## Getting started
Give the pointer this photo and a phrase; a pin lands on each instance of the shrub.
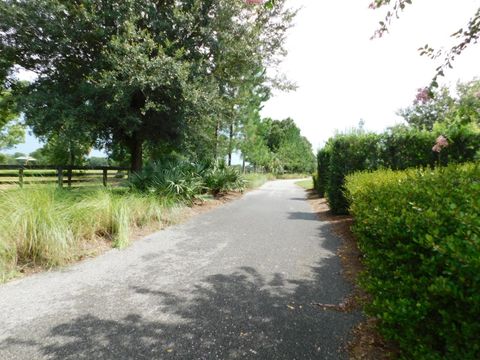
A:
(464, 142)
(419, 232)
(221, 178)
(184, 180)
(171, 179)
(323, 164)
(398, 148)
(401, 147)
(348, 153)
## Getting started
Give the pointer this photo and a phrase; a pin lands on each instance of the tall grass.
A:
(254, 180)
(47, 226)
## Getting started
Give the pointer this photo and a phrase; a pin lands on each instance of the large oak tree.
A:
(135, 73)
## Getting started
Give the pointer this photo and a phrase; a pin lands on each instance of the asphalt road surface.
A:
(237, 282)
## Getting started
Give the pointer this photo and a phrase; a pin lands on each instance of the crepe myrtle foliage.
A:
(464, 37)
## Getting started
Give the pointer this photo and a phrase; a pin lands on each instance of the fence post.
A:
(60, 176)
(69, 174)
(20, 177)
(105, 173)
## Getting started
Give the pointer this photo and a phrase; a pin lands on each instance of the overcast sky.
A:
(343, 76)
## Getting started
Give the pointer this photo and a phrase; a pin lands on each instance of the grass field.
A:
(10, 178)
(306, 184)
(254, 180)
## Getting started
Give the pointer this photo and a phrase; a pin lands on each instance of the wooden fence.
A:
(44, 174)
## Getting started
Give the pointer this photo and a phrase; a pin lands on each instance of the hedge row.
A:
(399, 148)
(419, 231)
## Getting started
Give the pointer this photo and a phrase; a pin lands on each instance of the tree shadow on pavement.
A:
(241, 315)
(299, 215)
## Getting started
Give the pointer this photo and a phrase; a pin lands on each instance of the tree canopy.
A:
(278, 146)
(139, 77)
(443, 106)
(11, 130)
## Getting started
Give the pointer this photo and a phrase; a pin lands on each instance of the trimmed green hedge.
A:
(349, 153)
(323, 163)
(419, 231)
(399, 148)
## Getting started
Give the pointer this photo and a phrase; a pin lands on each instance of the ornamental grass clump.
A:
(35, 227)
(419, 232)
(45, 226)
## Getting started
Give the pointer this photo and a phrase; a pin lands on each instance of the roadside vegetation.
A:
(47, 226)
(254, 180)
(398, 148)
(306, 184)
(419, 234)
(44, 226)
(413, 192)
(185, 180)
(174, 107)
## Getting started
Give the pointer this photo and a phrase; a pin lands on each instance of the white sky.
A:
(343, 76)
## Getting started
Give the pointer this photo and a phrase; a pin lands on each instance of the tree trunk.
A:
(217, 130)
(230, 144)
(71, 156)
(136, 154)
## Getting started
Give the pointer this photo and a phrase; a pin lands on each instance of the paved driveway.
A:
(237, 282)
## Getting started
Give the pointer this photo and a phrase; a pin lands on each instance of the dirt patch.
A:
(367, 344)
(200, 207)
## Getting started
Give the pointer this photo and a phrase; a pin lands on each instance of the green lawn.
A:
(306, 184)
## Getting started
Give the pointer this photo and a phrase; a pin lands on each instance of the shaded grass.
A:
(254, 180)
(306, 184)
(292, 176)
(47, 226)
